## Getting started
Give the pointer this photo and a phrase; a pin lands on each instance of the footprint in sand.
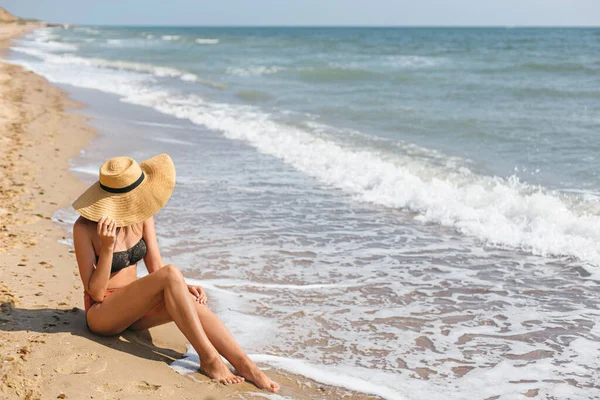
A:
(132, 387)
(109, 388)
(84, 363)
(143, 385)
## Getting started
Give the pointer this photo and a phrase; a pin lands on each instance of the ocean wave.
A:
(411, 61)
(499, 211)
(385, 63)
(171, 37)
(254, 71)
(111, 64)
(207, 41)
(90, 31)
(48, 42)
(59, 46)
(129, 42)
(592, 66)
(155, 70)
(44, 35)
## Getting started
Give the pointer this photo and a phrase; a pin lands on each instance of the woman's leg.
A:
(225, 344)
(128, 304)
(219, 336)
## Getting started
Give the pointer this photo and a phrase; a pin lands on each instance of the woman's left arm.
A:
(154, 261)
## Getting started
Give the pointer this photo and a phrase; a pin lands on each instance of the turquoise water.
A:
(523, 102)
(378, 208)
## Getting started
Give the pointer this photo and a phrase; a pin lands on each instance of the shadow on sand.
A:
(49, 321)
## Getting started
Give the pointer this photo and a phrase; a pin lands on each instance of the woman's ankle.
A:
(210, 358)
(245, 365)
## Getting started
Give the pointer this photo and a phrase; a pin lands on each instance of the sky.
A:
(312, 12)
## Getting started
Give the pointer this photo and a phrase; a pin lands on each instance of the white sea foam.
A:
(87, 30)
(171, 37)
(70, 59)
(58, 46)
(189, 78)
(48, 43)
(318, 286)
(173, 141)
(155, 70)
(207, 41)
(411, 61)
(499, 211)
(158, 124)
(44, 35)
(385, 63)
(358, 379)
(87, 169)
(254, 71)
(235, 311)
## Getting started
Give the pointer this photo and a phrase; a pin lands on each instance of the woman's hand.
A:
(198, 292)
(107, 228)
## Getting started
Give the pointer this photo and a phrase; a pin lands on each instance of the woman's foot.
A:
(216, 369)
(252, 373)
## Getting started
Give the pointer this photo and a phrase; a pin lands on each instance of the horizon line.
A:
(326, 26)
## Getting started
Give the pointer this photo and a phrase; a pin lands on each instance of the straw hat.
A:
(127, 191)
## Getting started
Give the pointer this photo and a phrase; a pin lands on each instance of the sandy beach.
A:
(406, 211)
(46, 350)
(409, 212)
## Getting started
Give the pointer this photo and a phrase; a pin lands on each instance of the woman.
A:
(114, 232)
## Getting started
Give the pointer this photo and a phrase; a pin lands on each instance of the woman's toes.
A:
(232, 380)
(274, 387)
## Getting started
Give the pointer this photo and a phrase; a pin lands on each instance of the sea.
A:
(411, 213)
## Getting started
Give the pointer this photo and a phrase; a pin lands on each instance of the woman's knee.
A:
(173, 274)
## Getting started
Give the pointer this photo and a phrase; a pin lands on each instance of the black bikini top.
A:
(125, 258)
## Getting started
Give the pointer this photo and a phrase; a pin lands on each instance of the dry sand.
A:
(46, 351)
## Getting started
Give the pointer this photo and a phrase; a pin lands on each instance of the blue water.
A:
(391, 202)
(522, 102)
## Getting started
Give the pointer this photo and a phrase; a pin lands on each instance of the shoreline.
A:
(44, 344)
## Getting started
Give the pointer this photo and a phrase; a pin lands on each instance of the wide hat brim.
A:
(137, 205)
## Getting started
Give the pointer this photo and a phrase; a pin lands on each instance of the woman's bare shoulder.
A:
(83, 225)
(148, 223)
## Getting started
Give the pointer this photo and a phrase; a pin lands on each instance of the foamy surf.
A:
(367, 382)
(499, 211)
(155, 70)
(254, 71)
(207, 41)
